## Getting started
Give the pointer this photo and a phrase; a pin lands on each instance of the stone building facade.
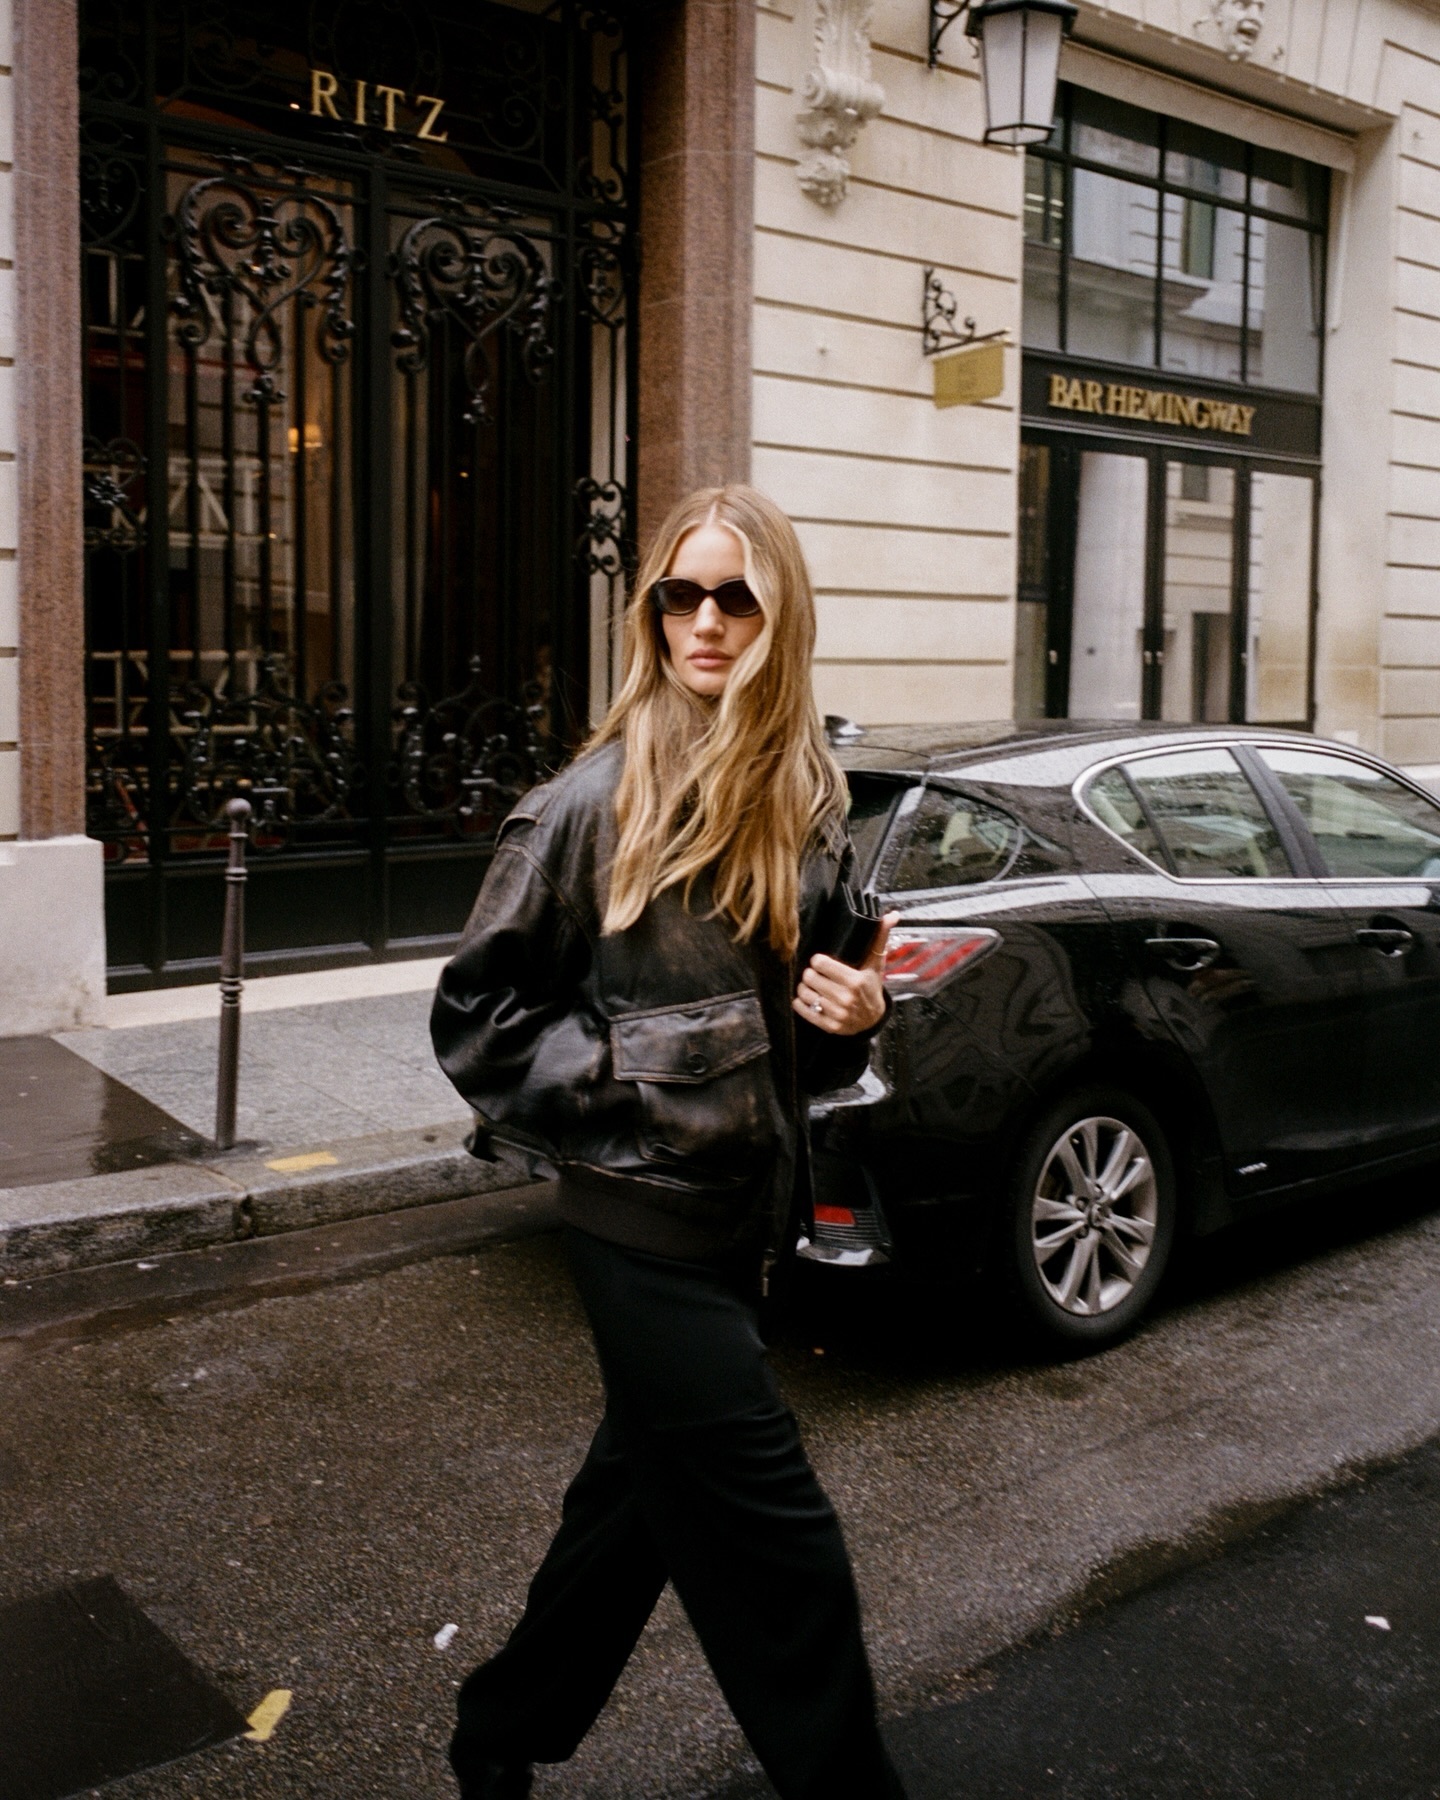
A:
(349, 535)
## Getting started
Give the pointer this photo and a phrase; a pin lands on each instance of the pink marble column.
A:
(696, 82)
(47, 333)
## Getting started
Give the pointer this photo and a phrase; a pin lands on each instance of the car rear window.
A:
(1209, 820)
(954, 840)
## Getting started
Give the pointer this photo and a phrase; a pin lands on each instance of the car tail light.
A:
(852, 1237)
(834, 1215)
(918, 960)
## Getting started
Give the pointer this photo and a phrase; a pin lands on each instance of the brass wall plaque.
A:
(970, 375)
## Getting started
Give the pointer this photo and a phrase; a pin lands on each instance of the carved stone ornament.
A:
(1234, 24)
(839, 96)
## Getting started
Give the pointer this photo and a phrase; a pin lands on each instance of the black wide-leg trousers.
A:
(697, 1476)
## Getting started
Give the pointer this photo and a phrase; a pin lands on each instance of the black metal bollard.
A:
(232, 970)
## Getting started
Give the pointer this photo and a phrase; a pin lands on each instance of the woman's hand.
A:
(842, 1000)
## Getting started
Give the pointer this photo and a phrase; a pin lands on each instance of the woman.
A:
(628, 1008)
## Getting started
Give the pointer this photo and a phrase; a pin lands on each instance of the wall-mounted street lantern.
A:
(1019, 44)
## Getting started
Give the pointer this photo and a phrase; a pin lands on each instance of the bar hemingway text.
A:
(1156, 406)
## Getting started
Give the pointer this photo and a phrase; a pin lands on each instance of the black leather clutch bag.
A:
(847, 929)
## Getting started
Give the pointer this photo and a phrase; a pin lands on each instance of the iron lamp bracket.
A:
(943, 14)
(937, 319)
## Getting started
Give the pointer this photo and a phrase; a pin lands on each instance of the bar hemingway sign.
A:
(1068, 395)
(1157, 406)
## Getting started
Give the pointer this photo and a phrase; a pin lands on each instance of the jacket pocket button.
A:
(696, 1063)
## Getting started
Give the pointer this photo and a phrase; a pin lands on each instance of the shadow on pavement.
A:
(1303, 1662)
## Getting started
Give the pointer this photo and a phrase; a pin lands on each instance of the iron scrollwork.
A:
(463, 762)
(484, 274)
(112, 184)
(295, 762)
(938, 311)
(267, 247)
(601, 544)
(603, 284)
(111, 516)
(117, 785)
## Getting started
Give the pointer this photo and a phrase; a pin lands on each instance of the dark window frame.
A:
(1058, 153)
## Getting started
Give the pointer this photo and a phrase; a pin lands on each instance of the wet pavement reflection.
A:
(62, 1119)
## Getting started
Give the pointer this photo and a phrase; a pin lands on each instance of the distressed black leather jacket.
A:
(660, 1070)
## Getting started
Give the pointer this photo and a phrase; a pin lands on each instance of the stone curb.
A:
(62, 1225)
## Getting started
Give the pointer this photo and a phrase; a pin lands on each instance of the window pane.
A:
(1112, 270)
(1203, 159)
(1364, 823)
(1209, 815)
(1112, 800)
(1285, 184)
(1108, 609)
(1108, 131)
(1044, 234)
(955, 842)
(1199, 561)
(1277, 672)
(1204, 277)
(1284, 310)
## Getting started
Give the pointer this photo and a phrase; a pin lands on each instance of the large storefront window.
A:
(1173, 326)
(1185, 250)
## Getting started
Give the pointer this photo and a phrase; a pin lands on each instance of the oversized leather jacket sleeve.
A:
(504, 1022)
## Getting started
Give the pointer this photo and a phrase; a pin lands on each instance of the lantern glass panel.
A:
(1022, 63)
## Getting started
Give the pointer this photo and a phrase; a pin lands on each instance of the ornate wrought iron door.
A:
(357, 284)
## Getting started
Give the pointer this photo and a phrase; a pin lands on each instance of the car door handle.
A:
(1187, 954)
(1389, 940)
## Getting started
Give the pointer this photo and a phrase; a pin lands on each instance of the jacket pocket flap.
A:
(689, 1043)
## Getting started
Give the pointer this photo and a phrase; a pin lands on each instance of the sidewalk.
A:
(106, 1148)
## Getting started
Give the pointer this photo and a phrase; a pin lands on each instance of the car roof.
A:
(1029, 753)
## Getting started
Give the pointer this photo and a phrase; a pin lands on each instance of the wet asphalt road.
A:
(303, 1490)
(1303, 1663)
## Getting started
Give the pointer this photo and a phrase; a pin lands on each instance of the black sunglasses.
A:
(677, 597)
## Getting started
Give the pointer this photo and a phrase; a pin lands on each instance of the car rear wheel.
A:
(1091, 1216)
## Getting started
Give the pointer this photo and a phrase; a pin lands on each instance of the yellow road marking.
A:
(312, 1159)
(267, 1715)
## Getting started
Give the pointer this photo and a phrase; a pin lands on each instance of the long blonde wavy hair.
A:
(738, 786)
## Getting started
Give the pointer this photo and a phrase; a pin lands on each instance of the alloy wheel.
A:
(1094, 1216)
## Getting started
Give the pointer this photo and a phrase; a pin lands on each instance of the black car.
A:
(1148, 980)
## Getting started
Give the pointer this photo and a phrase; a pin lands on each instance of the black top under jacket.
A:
(660, 1071)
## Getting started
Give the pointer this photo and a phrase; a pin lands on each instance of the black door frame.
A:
(1061, 520)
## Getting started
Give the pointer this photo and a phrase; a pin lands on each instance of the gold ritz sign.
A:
(1156, 406)
(373, 105)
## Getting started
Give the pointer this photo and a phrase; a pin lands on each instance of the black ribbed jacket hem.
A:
(629, 1213)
